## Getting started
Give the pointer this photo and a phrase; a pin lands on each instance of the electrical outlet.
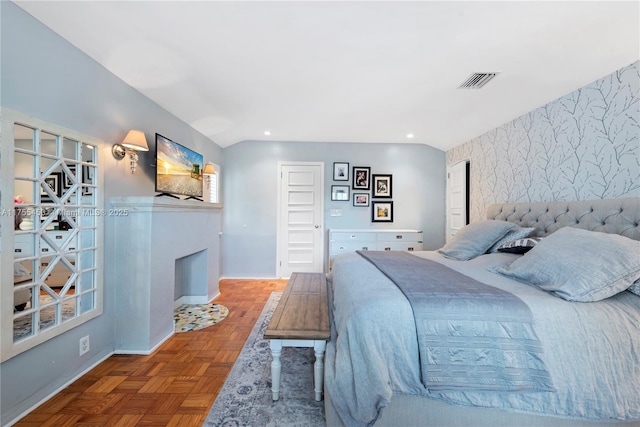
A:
(84, 345)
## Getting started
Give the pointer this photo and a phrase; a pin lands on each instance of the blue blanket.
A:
(471, 336)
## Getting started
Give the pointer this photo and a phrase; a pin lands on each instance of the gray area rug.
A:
(245, 398)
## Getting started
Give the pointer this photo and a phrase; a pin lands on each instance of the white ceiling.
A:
(360, 71)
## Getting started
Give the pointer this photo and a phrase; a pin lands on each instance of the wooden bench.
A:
(301, 319)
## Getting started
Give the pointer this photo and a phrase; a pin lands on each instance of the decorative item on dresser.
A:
(351, 240)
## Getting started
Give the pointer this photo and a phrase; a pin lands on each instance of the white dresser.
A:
(342, 241)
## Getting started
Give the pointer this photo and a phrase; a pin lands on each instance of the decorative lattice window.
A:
(53, 238)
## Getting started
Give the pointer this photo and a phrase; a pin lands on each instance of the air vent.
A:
(477, 80)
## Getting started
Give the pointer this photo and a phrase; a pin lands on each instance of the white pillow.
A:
(579, 265)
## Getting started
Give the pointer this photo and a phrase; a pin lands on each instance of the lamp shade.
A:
(208, 169)
(136, 140)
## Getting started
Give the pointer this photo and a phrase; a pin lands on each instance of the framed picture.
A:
(340, 192)
(340, 171)
(87, 178)
(67, 179)
(53, 181)
(382, 211)
(361, 176)
(360, 199)
(381, 186)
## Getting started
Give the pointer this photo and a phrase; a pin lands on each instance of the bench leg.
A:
(318, 367)
(276, 368)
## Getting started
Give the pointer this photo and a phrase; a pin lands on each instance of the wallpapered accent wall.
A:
(585, 145)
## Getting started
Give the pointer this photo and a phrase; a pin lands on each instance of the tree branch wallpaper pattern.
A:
(585, 145)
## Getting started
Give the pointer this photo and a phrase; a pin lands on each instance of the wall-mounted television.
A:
(178, 169)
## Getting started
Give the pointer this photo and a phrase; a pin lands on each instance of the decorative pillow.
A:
(635, 288)
(519, 233)
(579, 265)
(520, 246)
(476, 238)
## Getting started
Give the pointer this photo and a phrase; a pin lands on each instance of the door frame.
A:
(467, 163)
(279, 230)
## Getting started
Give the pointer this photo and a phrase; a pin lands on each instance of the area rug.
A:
(245, 397)
(191, 317)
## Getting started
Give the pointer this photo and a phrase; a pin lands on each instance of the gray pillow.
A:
(476, 238)
(517, 234)
(635, 288)
(579, 265)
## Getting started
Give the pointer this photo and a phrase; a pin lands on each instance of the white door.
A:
(456, 198)
(300, 218)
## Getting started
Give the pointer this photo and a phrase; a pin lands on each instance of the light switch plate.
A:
(335, 212)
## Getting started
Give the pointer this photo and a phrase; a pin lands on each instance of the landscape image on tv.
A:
(178, 169)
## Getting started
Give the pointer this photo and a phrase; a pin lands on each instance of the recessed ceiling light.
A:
(267, 132)
(409, 135)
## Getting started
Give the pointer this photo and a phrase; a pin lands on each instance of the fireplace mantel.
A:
(144, 204)
(162, 250)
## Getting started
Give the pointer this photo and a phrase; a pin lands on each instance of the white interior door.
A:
(456, 198)
(300, 218)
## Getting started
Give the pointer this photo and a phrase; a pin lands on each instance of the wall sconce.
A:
(208, 171)
(134, 141)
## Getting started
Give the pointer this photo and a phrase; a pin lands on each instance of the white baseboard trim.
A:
(145, 352)
(58, 390)
(190, 299)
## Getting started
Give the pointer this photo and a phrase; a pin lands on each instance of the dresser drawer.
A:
(23, 245)
(354, 236)
(400, 236)
(342, 247)
(399, 246)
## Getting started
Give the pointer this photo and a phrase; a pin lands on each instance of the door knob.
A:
(317, 226)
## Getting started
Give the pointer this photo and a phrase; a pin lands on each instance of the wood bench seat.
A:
(301, 319)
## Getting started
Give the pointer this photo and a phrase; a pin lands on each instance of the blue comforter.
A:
(591, 350)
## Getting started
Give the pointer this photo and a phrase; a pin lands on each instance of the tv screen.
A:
(178, 169)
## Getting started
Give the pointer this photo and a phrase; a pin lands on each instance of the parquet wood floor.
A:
(174, 386)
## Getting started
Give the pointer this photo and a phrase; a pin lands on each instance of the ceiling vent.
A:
(477, 80)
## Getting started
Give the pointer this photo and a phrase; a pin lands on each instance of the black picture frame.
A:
(340, 193)
(67, 183)
(382, 211)
(361, 178)
(54, 180)
(361, 199)
(340, 171)
(382, 185)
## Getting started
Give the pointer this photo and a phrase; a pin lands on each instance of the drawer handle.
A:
(341, 248)
(59, 237)
(399, 236)
(410, 249)
(353, 236)
(387, 249)
(17, 250)
(72, 249)
(365, 248)
(45, 249)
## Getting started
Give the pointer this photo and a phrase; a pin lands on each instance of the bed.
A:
(531, 350)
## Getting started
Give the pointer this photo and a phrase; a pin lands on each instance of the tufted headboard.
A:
(613, 216)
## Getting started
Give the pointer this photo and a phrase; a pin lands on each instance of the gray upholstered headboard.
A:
(614, 216)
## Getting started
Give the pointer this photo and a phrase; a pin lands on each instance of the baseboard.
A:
(252, 278)
(58, 390)
(145, 352)
(190, 299)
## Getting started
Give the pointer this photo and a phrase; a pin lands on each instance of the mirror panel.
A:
(48, 143)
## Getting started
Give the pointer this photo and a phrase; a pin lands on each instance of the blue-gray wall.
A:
(44, 76)
(250, 184)
(584, 145)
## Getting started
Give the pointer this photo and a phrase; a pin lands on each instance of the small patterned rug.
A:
(191, 317)
(245, 397)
